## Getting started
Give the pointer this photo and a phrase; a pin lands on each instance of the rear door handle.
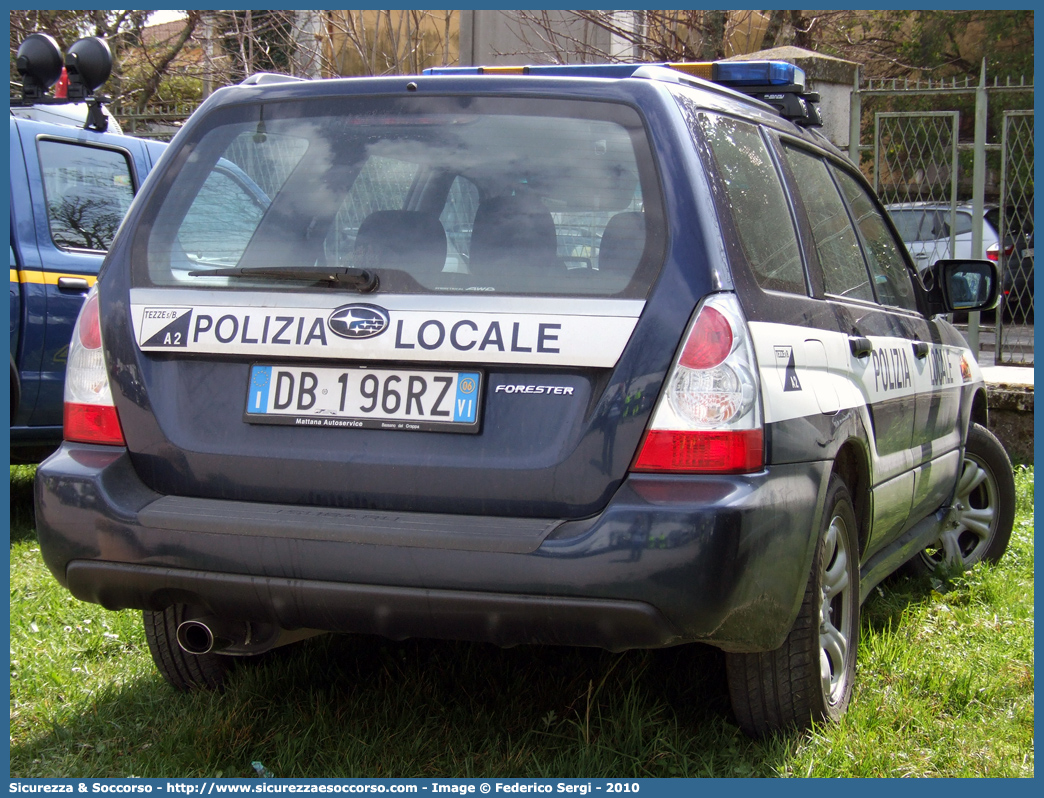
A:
(861, 347)
(921, 349)
(73, 284)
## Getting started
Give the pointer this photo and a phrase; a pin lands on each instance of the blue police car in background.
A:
(389, 400)
(72, 178)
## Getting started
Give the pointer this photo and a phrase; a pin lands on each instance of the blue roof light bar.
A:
(758, 73)
(727, 73)
(777, 83)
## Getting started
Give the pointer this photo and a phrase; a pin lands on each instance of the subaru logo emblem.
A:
(358, 321)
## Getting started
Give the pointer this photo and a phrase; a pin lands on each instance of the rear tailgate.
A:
(368, 303)
(516, 438)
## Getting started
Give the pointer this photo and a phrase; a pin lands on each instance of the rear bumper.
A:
(722, 560)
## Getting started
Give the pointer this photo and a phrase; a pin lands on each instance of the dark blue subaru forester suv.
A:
(623, 356)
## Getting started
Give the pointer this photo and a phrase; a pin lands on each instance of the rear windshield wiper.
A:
(361, 280)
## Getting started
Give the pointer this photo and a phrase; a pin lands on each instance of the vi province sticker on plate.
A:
(364, 398)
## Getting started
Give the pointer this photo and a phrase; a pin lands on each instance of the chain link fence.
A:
(1015, 252)
(915, 171)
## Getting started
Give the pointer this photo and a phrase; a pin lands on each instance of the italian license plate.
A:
(364, 398)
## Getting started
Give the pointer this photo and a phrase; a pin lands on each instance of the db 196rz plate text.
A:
(363, 398)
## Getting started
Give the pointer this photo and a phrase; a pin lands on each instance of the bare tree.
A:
(235, 44)
(217, 48)
(390, 42)
(651, 35)
(141, 64)
(700, 35)
(155, 61)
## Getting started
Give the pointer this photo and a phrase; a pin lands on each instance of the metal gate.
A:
(1015, 251)
(943, 191)
(915, 175)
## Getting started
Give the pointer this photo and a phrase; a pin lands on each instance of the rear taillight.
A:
(90, 415)
(702, 451)
(993, 252)
(708, 417)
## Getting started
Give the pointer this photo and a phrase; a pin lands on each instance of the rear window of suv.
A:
(505, 195)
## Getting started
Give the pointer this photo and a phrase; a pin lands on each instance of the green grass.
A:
(945, 688)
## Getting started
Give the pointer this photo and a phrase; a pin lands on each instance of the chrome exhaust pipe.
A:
(203, 635)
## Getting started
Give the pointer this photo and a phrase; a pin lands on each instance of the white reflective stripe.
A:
(789, 383)
(414, 329)
(796, 382)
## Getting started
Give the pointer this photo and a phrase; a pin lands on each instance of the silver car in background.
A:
(925, 228)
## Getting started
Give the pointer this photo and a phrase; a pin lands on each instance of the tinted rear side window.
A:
(431, 194)
(963, 223)
(88, 191)
(840, 256)
(993, 217)
(755, 196)
(891, 278)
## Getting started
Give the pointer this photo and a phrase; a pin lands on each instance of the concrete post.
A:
(978, 193)
(855, 120)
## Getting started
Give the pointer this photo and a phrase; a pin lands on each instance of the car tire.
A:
(809, 678)
(184, 671)
(980, 525)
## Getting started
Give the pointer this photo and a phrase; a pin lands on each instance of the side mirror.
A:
(964, 285)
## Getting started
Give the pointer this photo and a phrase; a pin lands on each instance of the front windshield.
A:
(432, 194)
